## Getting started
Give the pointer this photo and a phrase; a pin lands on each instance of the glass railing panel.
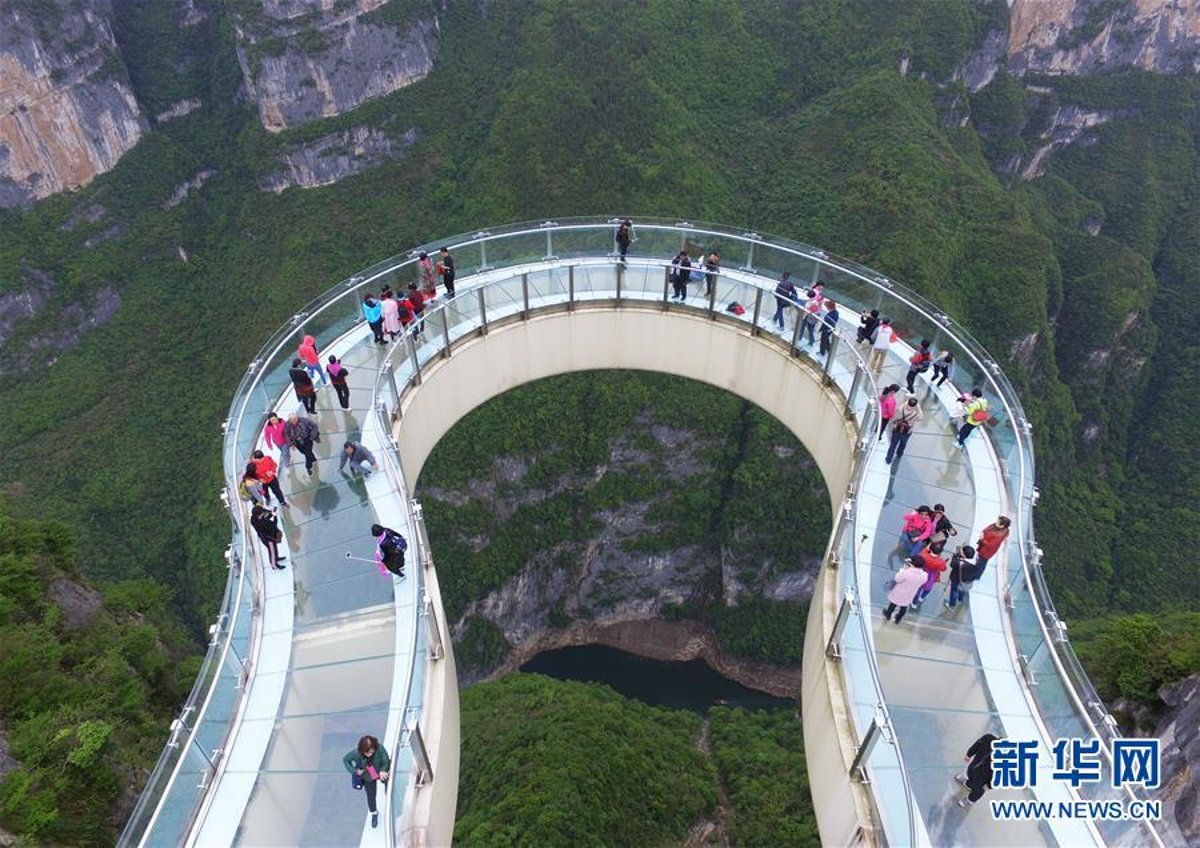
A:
(503, 298)
(850, 292)
(174, 817)
(891, 791)
(856, 671)
(730, 291)
(595, 281)
(770, 263)
(569, 243)
(652, 243)
(222, 704)
(643, 280)
(515, 249)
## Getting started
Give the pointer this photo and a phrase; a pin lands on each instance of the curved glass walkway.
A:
(304, 661)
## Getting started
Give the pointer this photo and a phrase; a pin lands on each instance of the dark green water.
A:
(678, 685)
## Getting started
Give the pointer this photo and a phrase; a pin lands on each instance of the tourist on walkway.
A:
(887, 407)
(250, 488)
(712, 265)
(369, 765)
(880, 346)
(417, 300)
(373, 312)
(356, 454)
(978, 778)
(267, 527)
(868, 325)
(267, 473)
(785, 296)
(918, 363)
(943, 527)
(624, 237)
(312, 360)
(976, 413)
(274, 438)
(905, 584)
(829, 322)
(389, 550)
(302, 433)
(681, 271)
(903, 423)
(934, 564)
(337, 375)
(306, 392)
(428, 276)
(445, 267)
(391, 314)
(990, 540)
(964, 570)
(916, 529)
(811, 311)
(943, 368)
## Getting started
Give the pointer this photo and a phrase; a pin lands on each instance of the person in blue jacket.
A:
(372, 310)
(370, 764)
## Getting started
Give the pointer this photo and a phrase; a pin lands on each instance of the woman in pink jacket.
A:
(907, 582)
(887, 408)
(273, 436)
(918, 526)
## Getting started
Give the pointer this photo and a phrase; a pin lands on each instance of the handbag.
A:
(356, 780)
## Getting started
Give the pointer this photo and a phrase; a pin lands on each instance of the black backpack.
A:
(969, 570)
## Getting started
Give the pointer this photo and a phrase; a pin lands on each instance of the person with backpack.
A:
(302, 433)
(266, 526)
(964, 570)
(887, 408)
(681, 270)
(250, 488)
(884, 336)
(785, 296)
(389, 550)
(990, 540)
(812, 308)
(903, 423)
(369, 765)
(356, 453)
(975, 414)
(829, 322)
(918, 363)
(373, 312)
(978, 778)
(302, 383)
(337, 375)
(904, 587)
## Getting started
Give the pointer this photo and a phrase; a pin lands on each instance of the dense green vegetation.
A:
(789, 118)
(86, 682)
(524, 482)
(548, 762)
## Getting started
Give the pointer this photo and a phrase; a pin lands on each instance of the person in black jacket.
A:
(681, 271)
(337, 375)
(267, 527)
(306, 392)
(978, 778)
(389, 549)
(445, 267)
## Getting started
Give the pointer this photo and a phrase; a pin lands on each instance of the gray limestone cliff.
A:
(335, 156)
(67, 110)
(1179, 731)
(308, 59)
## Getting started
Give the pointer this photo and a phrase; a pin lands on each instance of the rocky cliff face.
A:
(67, 110)
(1179, 731)
(335, 156)
(1086, 36)
(309, 59)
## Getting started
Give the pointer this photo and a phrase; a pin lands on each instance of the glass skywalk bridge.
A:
(304, 661)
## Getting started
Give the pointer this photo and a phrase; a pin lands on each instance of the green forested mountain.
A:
(837, 122)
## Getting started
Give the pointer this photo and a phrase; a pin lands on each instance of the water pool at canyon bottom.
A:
(678, 685)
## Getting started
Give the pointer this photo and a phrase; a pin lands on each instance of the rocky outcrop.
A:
(34, 301)
(177, 110)
(181, 191)
(1068, 125)
(335, 156)
(67, 110)
(1179, 732)
(307, 59)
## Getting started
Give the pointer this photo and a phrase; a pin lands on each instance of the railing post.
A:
(420, 756)
(796, 331)
(446, 331)
(483, 266)
(570, 288)
(858, 768)
(525, 295)
(758, 296)
(855, 386)
(1027, 669)
(482, 312)
(750, 259)
(712, 296)
(418, 517)
(666, 287)
(549, 244)
(829, 354)
(620, 278)
(436, 650)
(833, 648)
(412, 352)
(391, 372)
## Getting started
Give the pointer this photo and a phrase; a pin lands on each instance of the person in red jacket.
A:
(417, 299)
(267, 473)
(934, 565)
(991, 539)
